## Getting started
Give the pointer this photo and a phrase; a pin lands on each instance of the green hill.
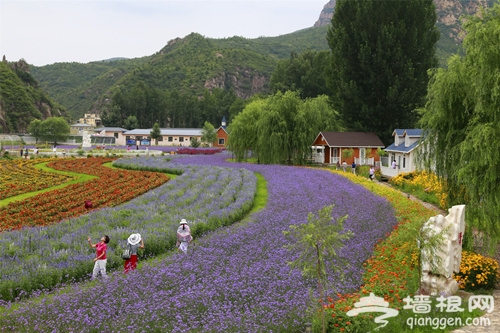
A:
(21, 98)
(190, 65)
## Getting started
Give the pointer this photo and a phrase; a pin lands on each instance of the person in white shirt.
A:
(184, 237)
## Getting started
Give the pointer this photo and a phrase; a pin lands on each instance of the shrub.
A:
(477, 272)
(425, 185)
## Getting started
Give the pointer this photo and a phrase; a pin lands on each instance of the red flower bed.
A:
(113, 187)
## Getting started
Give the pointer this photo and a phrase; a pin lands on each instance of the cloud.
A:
(43, 32)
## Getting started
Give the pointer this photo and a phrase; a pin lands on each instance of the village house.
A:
(222, 135)
(328, 148)
(90, 119)
(402, 153)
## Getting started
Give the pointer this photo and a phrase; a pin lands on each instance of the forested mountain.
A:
(77, 86)
(21, 98)
(194, 64)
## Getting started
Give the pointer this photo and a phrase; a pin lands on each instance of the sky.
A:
(43, 32)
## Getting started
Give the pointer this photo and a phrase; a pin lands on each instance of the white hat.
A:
(134, 239)
(183, 221)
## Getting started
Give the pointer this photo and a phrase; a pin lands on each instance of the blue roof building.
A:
(402, 153)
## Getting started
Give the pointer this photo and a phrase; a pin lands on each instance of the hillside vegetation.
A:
(194, 64)
(21, 98)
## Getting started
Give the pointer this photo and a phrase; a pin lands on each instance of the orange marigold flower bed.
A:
(111, 188)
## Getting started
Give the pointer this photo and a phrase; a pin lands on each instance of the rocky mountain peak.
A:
(448, 12)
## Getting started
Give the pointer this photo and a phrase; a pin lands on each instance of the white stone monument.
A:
(439, 264)
(86, 140)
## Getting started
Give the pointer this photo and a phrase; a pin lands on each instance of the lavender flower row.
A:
(34, 258)
(234, 280)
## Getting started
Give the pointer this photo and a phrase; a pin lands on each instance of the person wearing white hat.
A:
(183, 236)
(134, 242)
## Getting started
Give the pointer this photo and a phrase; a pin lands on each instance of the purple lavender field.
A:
(235, 279)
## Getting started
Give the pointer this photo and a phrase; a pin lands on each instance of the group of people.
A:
(353, 168)
(25, 152)
(134, 243)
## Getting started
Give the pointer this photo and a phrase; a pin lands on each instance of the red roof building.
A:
(331, 148)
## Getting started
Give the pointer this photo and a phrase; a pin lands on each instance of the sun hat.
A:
(183, 221)
(134, 239)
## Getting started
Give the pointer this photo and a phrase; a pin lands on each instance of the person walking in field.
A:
(372, 172)
(134, 242)
(184, 237)
(100, 258)
(344, 166)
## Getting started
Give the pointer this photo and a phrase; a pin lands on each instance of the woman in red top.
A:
(100, 258)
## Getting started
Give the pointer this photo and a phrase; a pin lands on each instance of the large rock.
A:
(441, 252)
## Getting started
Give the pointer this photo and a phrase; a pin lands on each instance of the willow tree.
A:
(276, 128)
(289, 126)
(462, 122)
(381, 52)
(281, 128)
(242, 131)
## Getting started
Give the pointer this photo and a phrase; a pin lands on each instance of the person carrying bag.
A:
(134, 243)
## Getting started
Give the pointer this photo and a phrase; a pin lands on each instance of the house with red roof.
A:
(222, 135)
(327, 148)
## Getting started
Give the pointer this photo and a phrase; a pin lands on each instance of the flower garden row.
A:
(235, 279)
(111, 188)
(392, 272)
(38, 258)
(19, 176)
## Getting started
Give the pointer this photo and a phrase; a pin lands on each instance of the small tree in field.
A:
(208, 133)
(155, 133)
(317, 240)
(195, 143)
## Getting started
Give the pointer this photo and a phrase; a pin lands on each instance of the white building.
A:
(403, 151)
(142, 137)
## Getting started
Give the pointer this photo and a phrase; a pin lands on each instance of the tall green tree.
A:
(305, 73)
(208, 133)
(381, 52)
(156, 133)
(34, 129)
(461, 119)
(131, 122)
(54, 129)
